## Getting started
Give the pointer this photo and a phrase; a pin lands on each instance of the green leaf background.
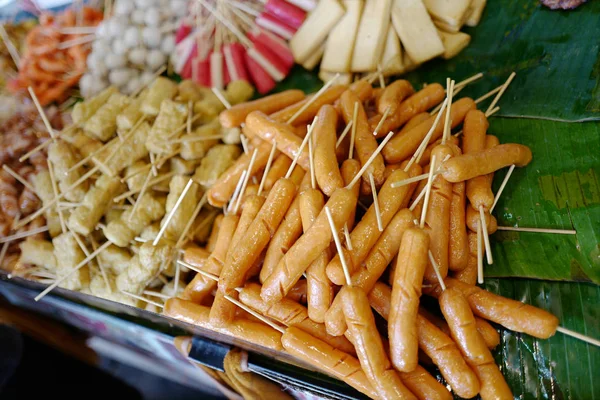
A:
(556, 55)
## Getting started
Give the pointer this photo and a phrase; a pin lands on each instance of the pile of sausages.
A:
(277, 254)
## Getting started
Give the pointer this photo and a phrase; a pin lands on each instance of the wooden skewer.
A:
(244, 142)
(313, 99)
(152, 293)
(501, 92)
(423, 146)
(380, 76)
(151, 183)
(221, 97)
(42, 113)
(140, 240)
(236, 192)
(199, 206)
(427, 192)
(347, 236)
(81, 264)
(414, 179)
(376, 203)
(142, 298)
(137, 202)
(436, 269)
(61, 218)
(170, 216)
(176, 284)
(465, 82)
(479, 256)
(153, 164)
(200, 271)
(179, 129)
(77, 41)
(450, 91)
(385, 115)
(488, 94)
(486, 236)
(18, 177)
(370, 160)
(353, 131)
(78, 30)
(163, 279)
(338, 246)
(245, 183)
(25, 234)
(66, 204)
(12, 50)
(501, 189)
(579, 336)
(267, 168)
(313, 179)
(302, 146)
(100, 263)
(538, 230)
(344, 133)
(255, 314)
(494, 111)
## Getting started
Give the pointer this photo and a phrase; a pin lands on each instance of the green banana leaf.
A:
(556, 55)
(559, 190)
(561, 367)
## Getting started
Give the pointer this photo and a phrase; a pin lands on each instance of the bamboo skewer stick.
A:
(423, 146)
(436, 269)
(538, 230)
(25, 234)
(255, 314)
(301, 149)
(313, 99)
(338, 246)
(267, 168)
(18, 177)
(502, 186)
(385, 115)
(12, 50)
(427, 192)
(151, 183)
(486, 236)
(501, 92)
(450, 91)
(479, 256)
(579, 336)
(61, 218)
(488, 94)
(353, 131)
(376, 203)
(245, 182)
(344, 133)
(40, 110)
(152, 293)
(170, 216)
(370, 160)
(347, 237)
(221, 97)
(142, 298)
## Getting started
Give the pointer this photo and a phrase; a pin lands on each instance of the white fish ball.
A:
(119, 77)
(132, 37)
(137, 16)
(114, 61)
(137, 56)
(168, 44)
(151, 37)
(152, 17)
(124, 7)
(155, 59)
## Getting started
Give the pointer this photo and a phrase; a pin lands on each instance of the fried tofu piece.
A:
(239, 91)
(84, 218)
(171, 116)
(144, 267)
(131, 114)
(84, 110)
(161, 89)
(122, 231)
(127, 151)
(38, 252)
(43, 189)
(69, 255)
(103, 124)
(98, 288)
(184, 212)
(193, 150)
(63, 156)
(217, 160)
(114, 258)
